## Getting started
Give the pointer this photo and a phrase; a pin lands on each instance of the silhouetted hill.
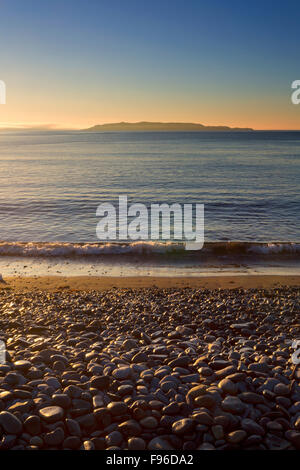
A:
(162, 126)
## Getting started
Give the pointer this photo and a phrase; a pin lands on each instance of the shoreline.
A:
(102, 283)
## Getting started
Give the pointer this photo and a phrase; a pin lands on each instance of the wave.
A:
(254, 248)
(142, 248)
(69, 250)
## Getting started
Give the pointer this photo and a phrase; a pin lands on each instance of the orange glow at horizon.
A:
(65, 110)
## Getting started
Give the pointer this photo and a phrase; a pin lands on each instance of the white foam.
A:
(86, 249)
(140, 248)
(274, 248)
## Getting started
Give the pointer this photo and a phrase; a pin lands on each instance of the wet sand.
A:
(100, 283)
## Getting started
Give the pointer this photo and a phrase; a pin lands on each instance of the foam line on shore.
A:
(138, 248)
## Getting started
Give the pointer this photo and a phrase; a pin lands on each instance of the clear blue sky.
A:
(77, 63)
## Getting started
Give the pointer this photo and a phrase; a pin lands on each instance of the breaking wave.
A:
(142, 248)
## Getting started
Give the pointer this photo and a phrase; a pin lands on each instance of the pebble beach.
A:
(150, 369)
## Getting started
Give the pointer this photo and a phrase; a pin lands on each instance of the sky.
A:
(77, 63)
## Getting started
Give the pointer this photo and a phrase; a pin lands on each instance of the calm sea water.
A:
(52, 182)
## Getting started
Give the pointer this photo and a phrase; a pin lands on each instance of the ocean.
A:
(51, 183)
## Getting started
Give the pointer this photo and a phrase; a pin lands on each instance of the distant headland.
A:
(162, 126)
(142, 126)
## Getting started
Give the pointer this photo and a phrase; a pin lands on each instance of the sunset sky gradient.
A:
(79, 63)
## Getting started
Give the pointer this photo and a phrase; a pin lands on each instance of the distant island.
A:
(161, 126)
(142, 126)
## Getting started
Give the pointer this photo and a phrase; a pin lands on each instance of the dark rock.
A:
(158, 443)
(183, 426)
(233, 405)
(51, 414)
(101, 382)
(54, 438)
(117, 408)
(32, 425)
(10, 423)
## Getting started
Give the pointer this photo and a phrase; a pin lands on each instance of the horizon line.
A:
(57, 127)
